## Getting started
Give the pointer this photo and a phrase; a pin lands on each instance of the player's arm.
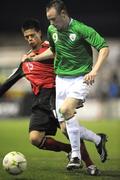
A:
(48, 54)
(99, 43)
(12, 79)
(102, 56)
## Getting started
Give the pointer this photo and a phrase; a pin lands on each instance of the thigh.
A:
(43, 121)
(42, 117)
(79, 90)
(60, 95)
(71, 93)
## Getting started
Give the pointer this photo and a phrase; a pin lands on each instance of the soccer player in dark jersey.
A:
(42, 78)
(71, 41)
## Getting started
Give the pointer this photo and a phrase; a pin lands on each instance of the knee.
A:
(66, 112)
(35, 140)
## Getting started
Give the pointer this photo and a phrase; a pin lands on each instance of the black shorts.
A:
(42, 117)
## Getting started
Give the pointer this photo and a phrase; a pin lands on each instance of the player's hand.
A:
(89, 78)
(24, 58)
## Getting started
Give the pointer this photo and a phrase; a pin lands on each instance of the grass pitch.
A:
(47, 165)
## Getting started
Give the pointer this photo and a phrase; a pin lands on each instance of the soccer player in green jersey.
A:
(71, 41)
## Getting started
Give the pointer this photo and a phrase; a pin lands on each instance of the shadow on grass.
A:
(104, 174)
(111, 174)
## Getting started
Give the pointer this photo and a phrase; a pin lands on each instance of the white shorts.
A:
(70, 87)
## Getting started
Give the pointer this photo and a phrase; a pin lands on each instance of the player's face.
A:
(58, 20)
(33, 38)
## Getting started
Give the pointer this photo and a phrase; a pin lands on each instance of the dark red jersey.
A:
(40, 74)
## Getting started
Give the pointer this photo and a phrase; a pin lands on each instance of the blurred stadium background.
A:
(104, 99)
(103, 103)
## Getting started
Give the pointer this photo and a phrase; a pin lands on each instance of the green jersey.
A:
(72, 47)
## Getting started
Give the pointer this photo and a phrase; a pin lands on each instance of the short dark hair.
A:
(31, 24)
(59, 5)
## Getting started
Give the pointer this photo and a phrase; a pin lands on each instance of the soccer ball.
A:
(14, 163)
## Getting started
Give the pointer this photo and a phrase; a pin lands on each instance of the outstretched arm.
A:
(12, 79)
(48, 54)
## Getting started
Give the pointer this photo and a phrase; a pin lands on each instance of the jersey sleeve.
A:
(12, 79)
(92, 37)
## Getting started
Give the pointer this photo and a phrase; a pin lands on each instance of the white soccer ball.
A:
(14, 163)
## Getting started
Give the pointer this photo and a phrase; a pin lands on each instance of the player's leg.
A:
(80, 90)
(71, 124)
(43, 123)
(41, 141)
(98, 139)
(91, 167)
(67, 111)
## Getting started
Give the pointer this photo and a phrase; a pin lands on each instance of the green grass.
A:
(46, 165)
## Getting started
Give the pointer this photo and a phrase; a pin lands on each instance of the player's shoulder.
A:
(51, 28)
(80, 26)
(76, 22)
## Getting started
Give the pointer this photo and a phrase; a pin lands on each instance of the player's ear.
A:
(40, 33)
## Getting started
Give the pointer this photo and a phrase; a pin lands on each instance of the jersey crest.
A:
(72, 37)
